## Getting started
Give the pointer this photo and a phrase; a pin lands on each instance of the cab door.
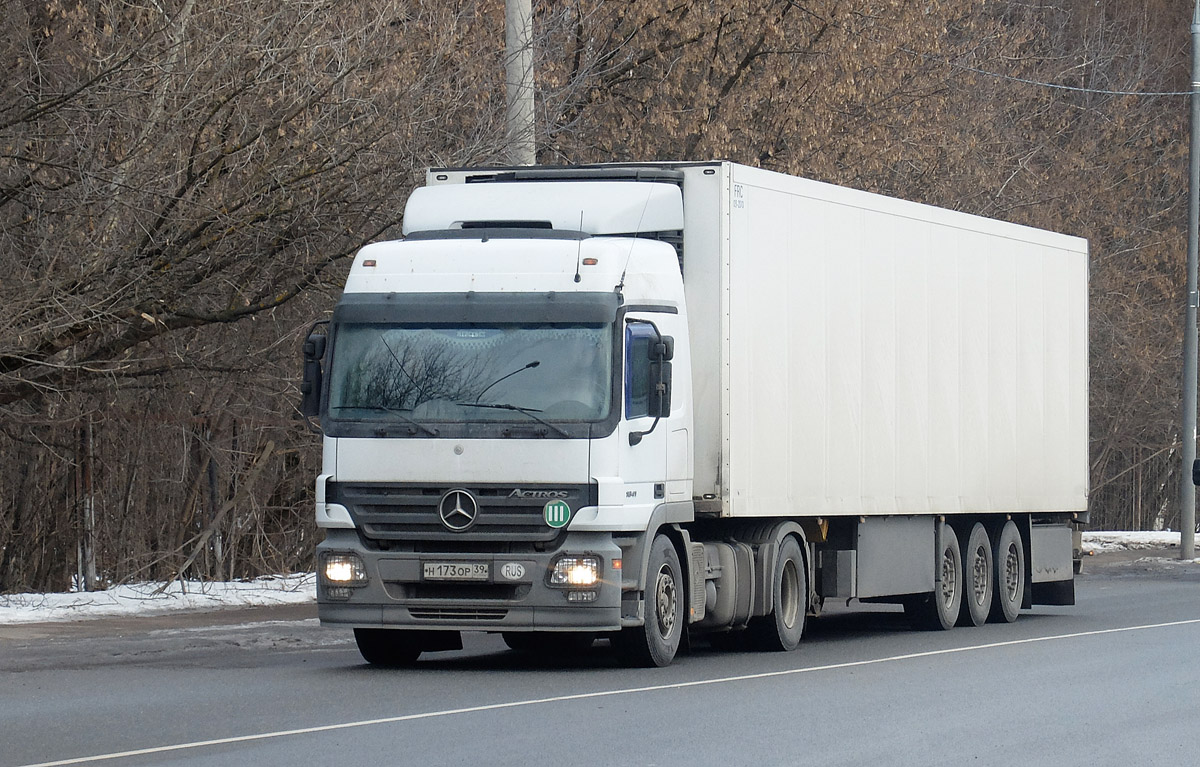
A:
(644, 432)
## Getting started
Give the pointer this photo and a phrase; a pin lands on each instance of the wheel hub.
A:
(949, 577)
(979, 576)
(789, 587)
(1012, 573)
(665, 599)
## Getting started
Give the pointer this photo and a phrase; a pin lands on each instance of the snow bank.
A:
(1125, 541)
(141, 599)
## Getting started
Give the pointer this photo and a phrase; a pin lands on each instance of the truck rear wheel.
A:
(782, 629)
(939, 611)
(656, 641)
(1009, 563)
(978, 578)
(387, 647)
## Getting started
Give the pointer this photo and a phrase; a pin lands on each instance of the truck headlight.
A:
(343, 569)
(576, 571)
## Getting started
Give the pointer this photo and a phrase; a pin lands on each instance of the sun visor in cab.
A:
(594, 207)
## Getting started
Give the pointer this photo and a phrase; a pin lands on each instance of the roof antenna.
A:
(578, 246)
(629, 256)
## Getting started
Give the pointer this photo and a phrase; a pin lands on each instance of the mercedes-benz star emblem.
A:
(458, 510)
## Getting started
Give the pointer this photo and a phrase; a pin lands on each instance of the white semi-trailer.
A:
(641, 401)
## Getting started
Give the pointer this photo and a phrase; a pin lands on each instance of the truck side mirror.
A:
(663, 349)
(660, 395)
(310, 386)
(655, 386)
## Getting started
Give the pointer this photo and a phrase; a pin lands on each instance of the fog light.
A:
(576, 571)
(581, 596)
(343, 569)
(338, 592)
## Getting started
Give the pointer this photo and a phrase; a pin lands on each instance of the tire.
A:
(548, 643)
(656, 641)
(978, 578)
(390, 648)
(939, 611)
(781, 630)
(1008, 558)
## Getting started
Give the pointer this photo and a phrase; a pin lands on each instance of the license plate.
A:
(455, 571)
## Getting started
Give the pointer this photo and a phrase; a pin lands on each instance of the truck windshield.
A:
(440, 373)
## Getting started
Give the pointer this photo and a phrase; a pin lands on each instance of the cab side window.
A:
(638, 337)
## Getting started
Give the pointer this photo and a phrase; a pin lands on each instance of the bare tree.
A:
(173, 175)
(180, 183)
(185, 164)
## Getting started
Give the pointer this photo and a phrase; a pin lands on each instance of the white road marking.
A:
(601, 694)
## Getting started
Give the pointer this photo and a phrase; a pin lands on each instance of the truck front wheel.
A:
(656, 641)
(387, 647)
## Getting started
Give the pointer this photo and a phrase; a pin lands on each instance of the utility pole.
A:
(88, 580)
(518, 71)
(1187, 432)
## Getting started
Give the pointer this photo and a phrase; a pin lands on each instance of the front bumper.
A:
(514, 598)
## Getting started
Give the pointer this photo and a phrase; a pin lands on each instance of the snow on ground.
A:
(1098, 542)
(142, 599)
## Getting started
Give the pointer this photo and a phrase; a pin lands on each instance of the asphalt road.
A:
(1113, 680)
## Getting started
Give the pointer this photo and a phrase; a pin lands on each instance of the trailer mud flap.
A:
(1050, 553)
(1052, 567)
(1054, 593)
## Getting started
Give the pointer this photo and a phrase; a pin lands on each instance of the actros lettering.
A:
(519, 493)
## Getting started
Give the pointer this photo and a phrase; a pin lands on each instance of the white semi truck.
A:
(652, 401)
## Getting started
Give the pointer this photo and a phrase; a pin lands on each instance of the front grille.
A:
(458, 613)
(410, 513)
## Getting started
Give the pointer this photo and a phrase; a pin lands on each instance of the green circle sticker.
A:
(557, 514)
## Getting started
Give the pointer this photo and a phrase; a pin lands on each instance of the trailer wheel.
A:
(387, 647)
(1009, 563)
(781, 630)
(656, 641)
(939, 611)
(978, 578)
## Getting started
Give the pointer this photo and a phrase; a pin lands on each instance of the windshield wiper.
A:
(395, 411)
(531, 365)
(523, 410)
